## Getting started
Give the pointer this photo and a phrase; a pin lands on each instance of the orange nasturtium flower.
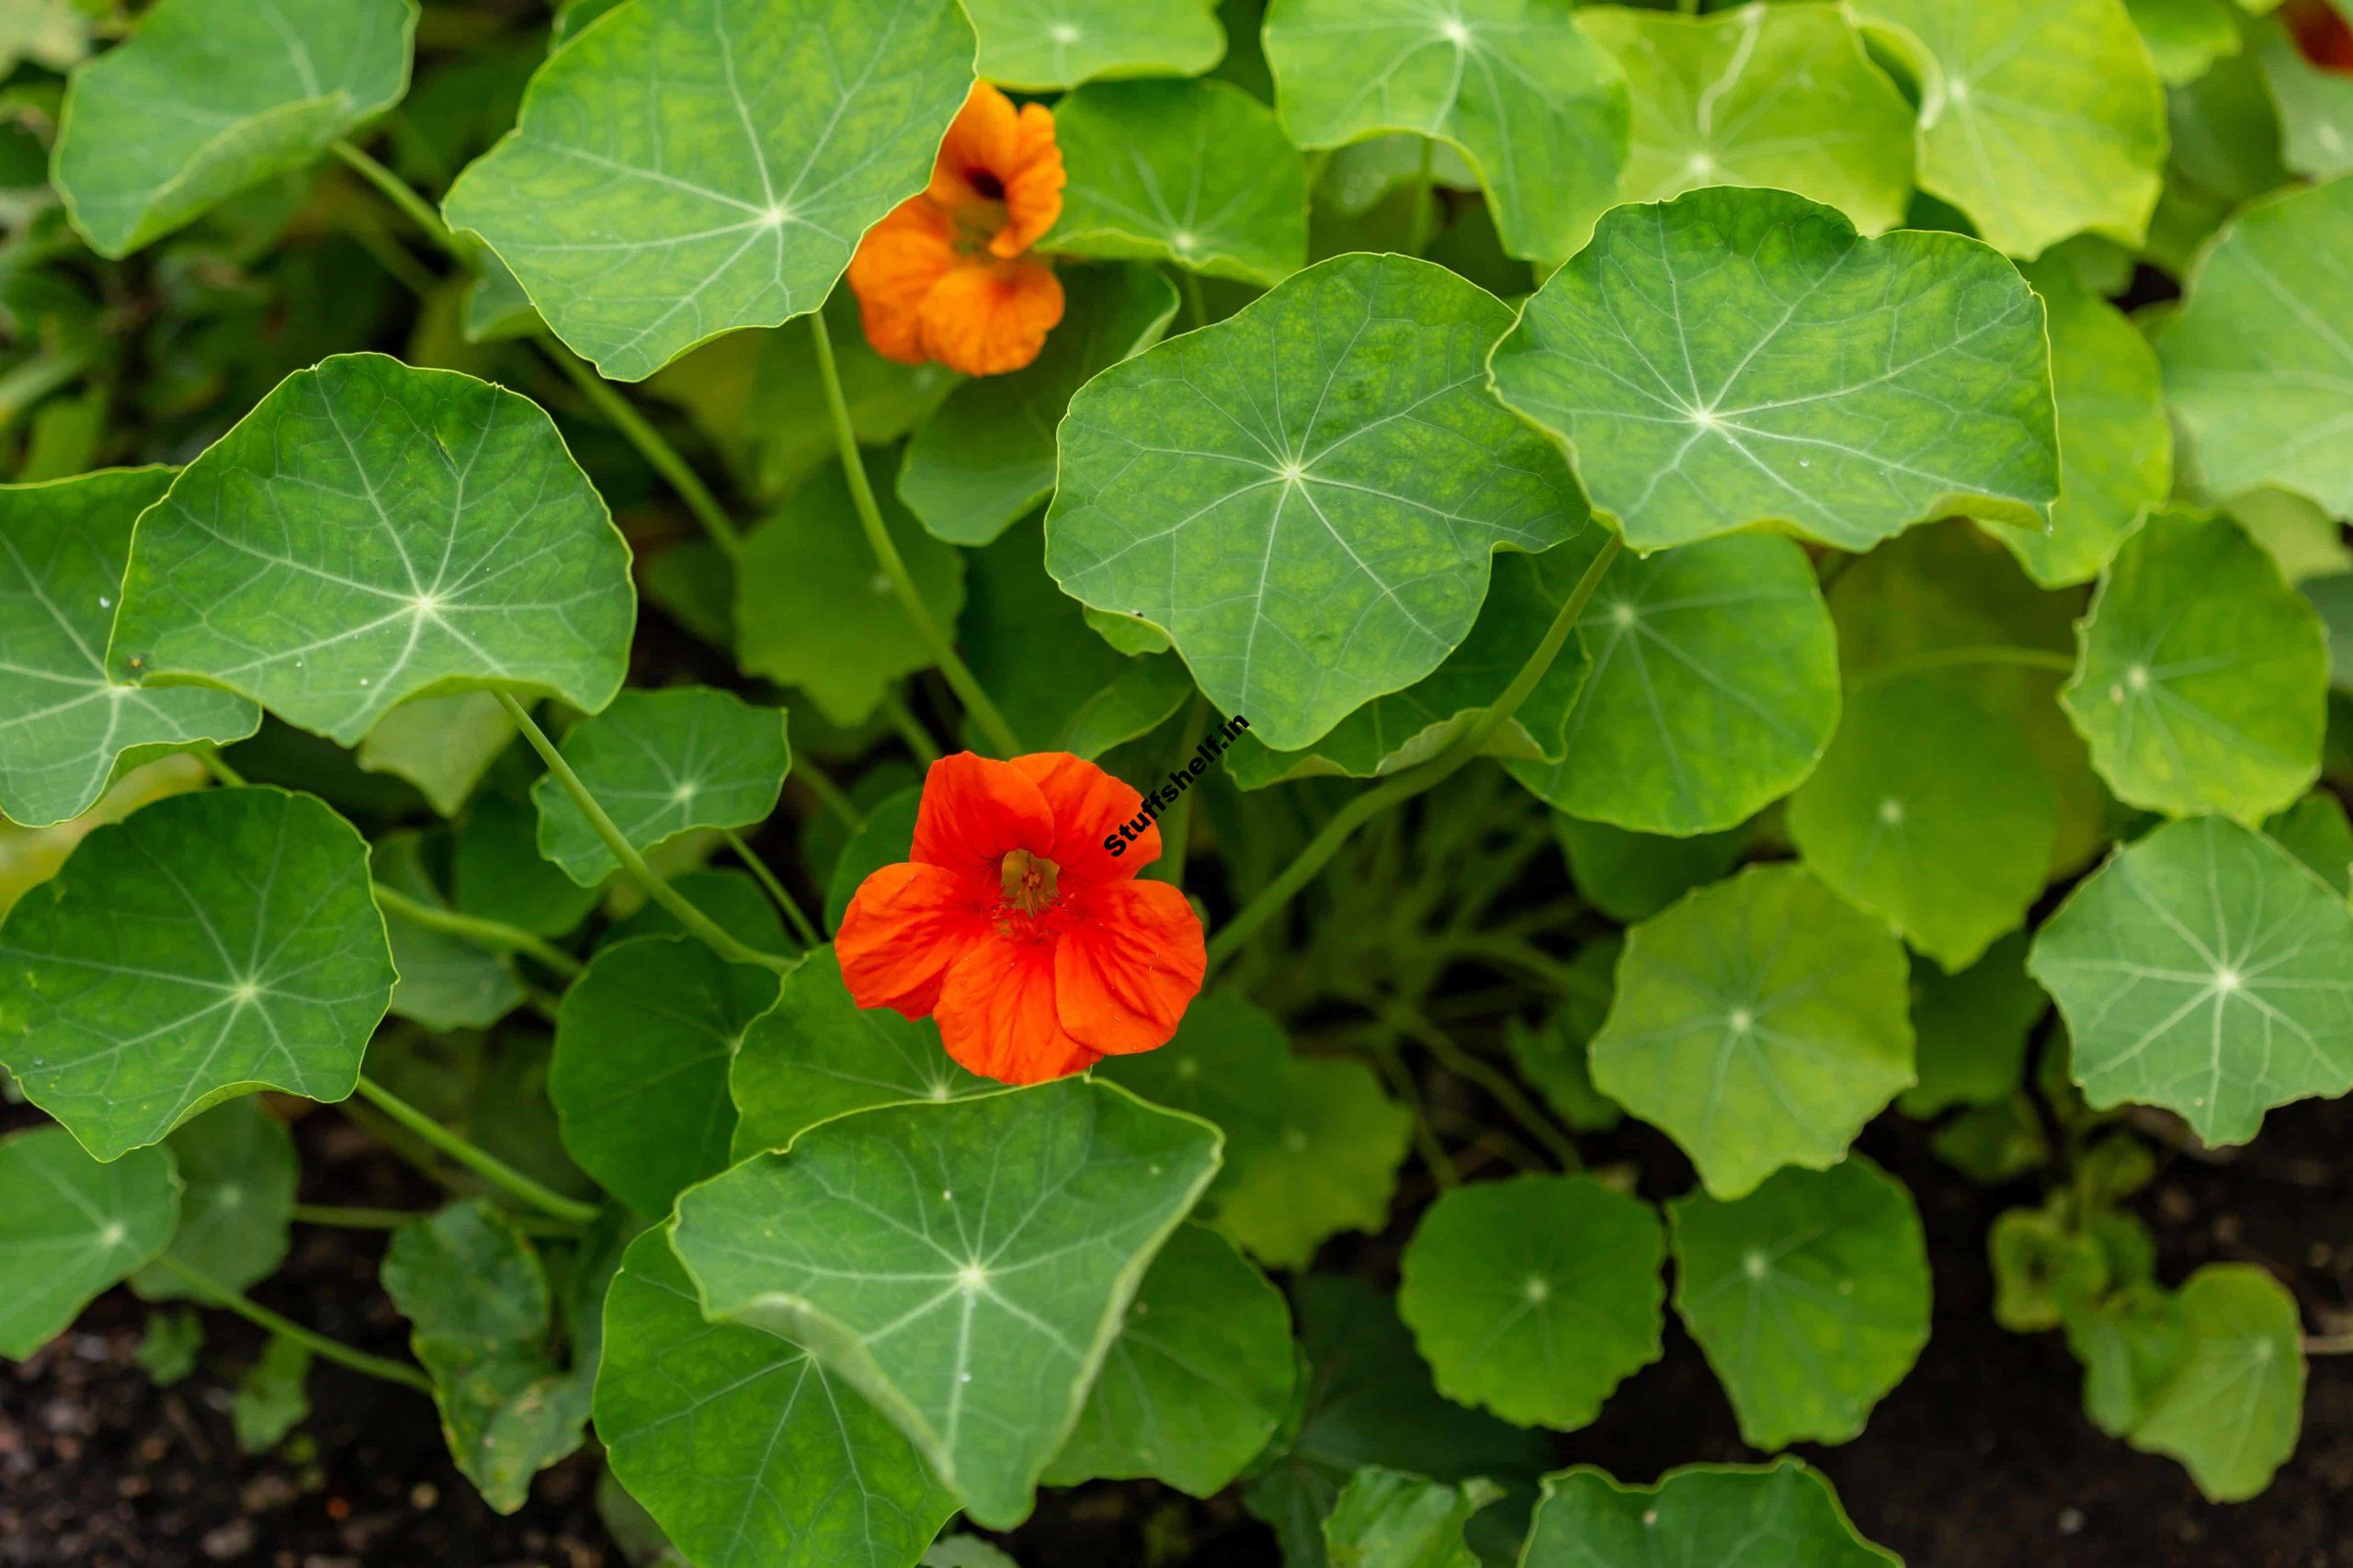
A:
(1035, 948)
(947, 277)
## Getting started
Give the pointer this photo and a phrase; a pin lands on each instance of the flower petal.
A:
(1129, 963)
(984, 139)
(1087, 805)
(974, 810)
(997, 1014)
(986, 318)
(905, 925)
(1033, 184)
(895, 270)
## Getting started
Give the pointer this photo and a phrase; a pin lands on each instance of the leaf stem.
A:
(1962, 658)
(681, 908)
(218, 766)
(829, 794)
(352, 1217)
(2328, 1345)
(651, 444)
(403, 195)
(318, 1344)
(1424, 221)
(1195, 308)
(775, 888)
(494, 934)
(870, 517)
(910, 728)
(1176, 824)
(1406, 785)
(476, 1158)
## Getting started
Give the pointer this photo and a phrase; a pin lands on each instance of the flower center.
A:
(1028, 881)
(984, 182)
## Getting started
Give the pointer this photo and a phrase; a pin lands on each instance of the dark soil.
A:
(1981, 1458)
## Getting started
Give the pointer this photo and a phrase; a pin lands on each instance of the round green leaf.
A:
(738, 1443)
(2039, 118)
(1228, 1063)
(209, 96)
(70, 1227)
(478, 1300)
(442, 745)
(662, 763)
(644, 1043)
(496, 871)
(2115, 443)
(65, 727)
(812, 609)
(2228, 1405)
(237, 1178)
(1971, 1030)
(1759, 1023)
(2185, 37)
(209, 945)
(372, 532)
(963, 1265)
(1778, 96)
(1733, 358)
(1194, 173)
(1306, 494)
(1809, 1297)
(2316, 831)
(684, 169)
(1931, 812)
(1199, 1375)
(1703, 1516)
(2202, 682)
(815, 1054)
(1714, 688)
(1537, 106)
(1632, 876)
(987, 457)
(1389, 1518)
(1332, 1165)
(1535, 1296)
(2204, 970)
(2258, 365)
(1038, 45)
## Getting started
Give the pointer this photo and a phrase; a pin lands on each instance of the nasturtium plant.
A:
(1376, 743)
(1733, 358)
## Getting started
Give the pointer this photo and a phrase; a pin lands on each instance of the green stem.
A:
(829, 794)
(218, 766)
(36, 378)
(1963, 658)
(493, 934)
(351, 1217)
(910, 728)
(1176, 824)
(1504, 1092)
(1401, 1082)
(1406, 785)
(2328, 1345)
(1195, 306)
(318, 1344)
(476, 1158)
(776, 889)
(651, 444)
(681, 908)
(1423, 222)
(870, 517)
(403, 195)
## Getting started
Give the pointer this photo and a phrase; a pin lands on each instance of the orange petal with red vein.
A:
(895, 270)
(986, 318)
(976, 811)
(1089, 804)
(1128, 964)
(907, 924)
(997, 1014)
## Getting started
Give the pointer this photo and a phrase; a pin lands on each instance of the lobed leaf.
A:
(1734, 357)
(1305, 495)
(963, 1265)
(372, 532)
(67, 729)
(1038, 45)
(208, 946)
(684, 169)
